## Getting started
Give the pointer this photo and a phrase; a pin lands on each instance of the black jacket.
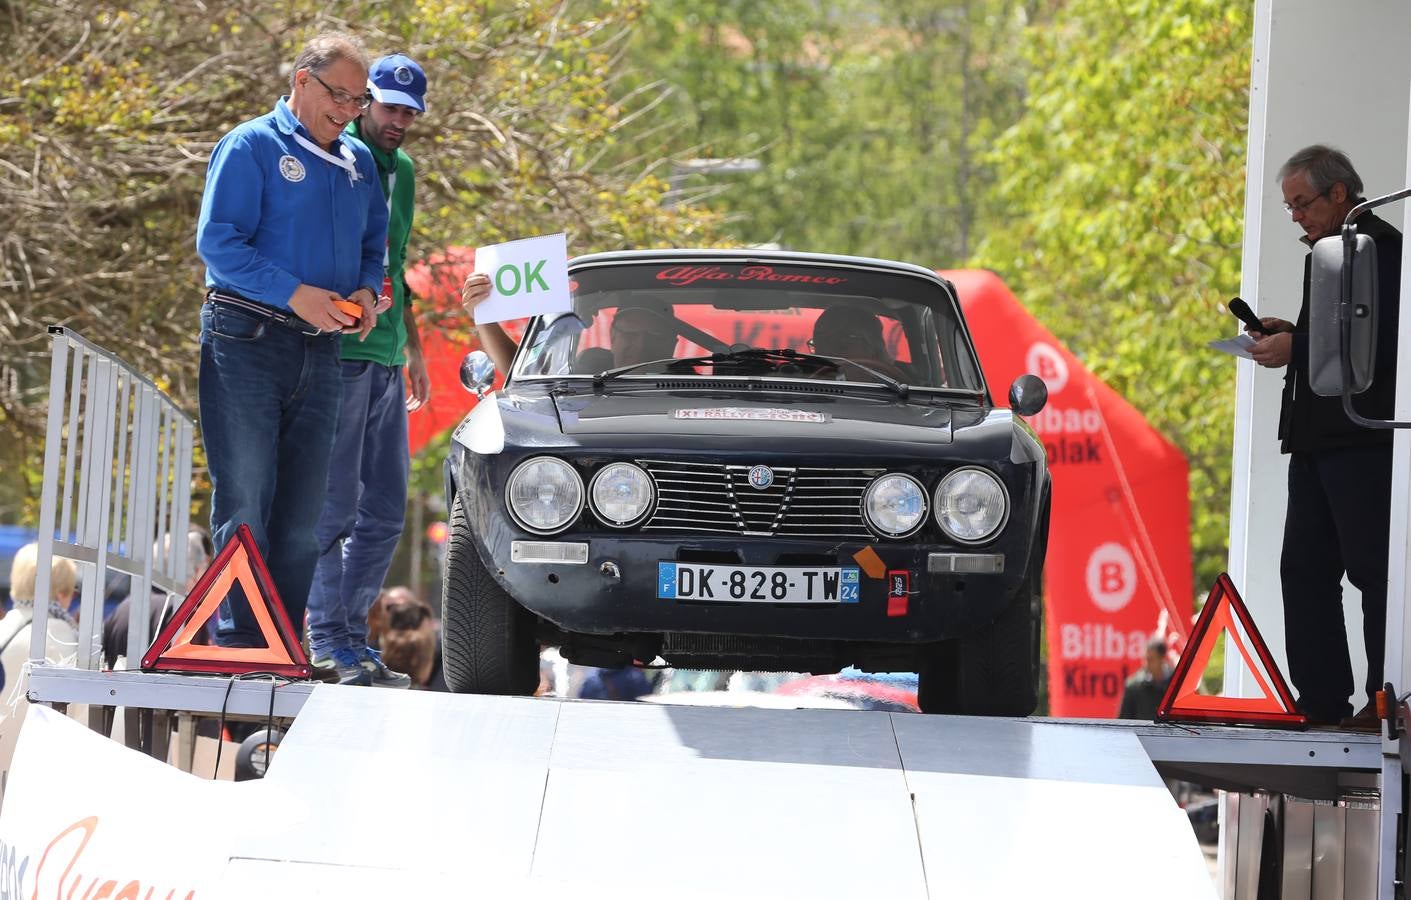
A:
(1309, 422)
(1142, 696)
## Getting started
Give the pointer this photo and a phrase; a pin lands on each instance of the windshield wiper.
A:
(900, 389)
(605, 376)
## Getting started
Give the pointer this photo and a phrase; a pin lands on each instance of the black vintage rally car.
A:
(750, 460)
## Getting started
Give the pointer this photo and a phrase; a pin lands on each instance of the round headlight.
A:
(895, 505)
(621, 494)
(971, 505)
(545, 494)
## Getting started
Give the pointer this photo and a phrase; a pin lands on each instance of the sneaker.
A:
(323, 669)
(379, 674)
(341, 667)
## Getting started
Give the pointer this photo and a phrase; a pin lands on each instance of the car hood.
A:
(773, 417)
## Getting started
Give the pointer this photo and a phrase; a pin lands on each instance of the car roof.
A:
(754, 255)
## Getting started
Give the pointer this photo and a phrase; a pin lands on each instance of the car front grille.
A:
(709, 498)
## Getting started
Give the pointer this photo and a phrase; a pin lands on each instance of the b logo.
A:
(761, 477)
(403, 75)
(1047, 363)
(1111, 577)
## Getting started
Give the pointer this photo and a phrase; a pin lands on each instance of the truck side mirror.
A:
(477, 373)
(1028, 394)
(1325, 296)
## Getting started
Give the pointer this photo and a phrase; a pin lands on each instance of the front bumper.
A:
(615, 589)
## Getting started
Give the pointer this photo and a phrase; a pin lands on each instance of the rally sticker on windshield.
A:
(740, 413)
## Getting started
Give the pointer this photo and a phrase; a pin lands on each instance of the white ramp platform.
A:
(409, 794)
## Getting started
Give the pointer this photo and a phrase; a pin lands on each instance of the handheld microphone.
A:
(1246, 315)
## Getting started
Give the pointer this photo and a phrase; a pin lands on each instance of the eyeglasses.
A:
(343, 98)
(1292, 208)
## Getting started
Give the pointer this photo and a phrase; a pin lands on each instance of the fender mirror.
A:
(1028, 394)
(1325, 316)
(1342, 314)
(477, 373)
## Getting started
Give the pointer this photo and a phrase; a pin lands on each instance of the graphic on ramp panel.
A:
(1225, 613)
(239, 562)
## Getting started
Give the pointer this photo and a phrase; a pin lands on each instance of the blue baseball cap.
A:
(397, 80)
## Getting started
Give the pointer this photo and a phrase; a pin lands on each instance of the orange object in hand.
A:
(353, 309)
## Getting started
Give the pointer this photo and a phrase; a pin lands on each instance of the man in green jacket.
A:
(367, 486)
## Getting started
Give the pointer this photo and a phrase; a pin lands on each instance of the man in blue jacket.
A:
(292, 224)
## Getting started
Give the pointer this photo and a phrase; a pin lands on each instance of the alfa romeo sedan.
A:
(749, 460)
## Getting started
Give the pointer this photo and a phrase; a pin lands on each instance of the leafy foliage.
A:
(867, 118)
(108, 113)
(1120, 215)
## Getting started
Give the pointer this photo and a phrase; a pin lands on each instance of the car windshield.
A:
(714, 320)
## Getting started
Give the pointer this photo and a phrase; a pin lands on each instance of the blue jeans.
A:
(269, 410)
(366, 506)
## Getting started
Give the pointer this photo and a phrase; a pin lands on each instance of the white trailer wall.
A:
(1323, 72)
(1336, 73)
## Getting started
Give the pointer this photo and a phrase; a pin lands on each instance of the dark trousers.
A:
(1338, 520)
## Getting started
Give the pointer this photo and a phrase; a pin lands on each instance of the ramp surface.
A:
(531, 797)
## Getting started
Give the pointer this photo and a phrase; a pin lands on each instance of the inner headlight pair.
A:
(970, 505)
(546, 494)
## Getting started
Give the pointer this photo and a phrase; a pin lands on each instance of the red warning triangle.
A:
(1225, 613)
(239, 562)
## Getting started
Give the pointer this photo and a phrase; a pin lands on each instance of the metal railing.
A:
(117, 477)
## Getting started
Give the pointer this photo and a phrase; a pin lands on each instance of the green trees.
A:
(868, 118)
(1118, 214)
(1090, 151)
(108, 113)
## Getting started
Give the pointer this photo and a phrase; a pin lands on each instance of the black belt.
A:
(270, 313)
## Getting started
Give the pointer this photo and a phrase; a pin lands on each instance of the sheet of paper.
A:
(1236, 346)
(528, 277)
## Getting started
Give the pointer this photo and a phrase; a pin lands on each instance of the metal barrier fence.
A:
(125, 453)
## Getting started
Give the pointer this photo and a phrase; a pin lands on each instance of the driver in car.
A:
(855, 334)
(640, 335)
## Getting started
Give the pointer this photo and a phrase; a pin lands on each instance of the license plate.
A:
(757, 584)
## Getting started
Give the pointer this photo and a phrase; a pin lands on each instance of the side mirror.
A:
(1325, 296)
(1028, 394)
(477, 373)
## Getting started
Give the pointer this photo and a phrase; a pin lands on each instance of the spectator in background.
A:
(162, 605)
(626, 683)
(547, 687)
(15, 636)
(377, 614)
(1144, 690)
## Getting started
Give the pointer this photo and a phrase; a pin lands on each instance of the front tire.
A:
(488, 643)
(994, 672)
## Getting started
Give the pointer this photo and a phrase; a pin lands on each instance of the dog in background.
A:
(407, 634)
